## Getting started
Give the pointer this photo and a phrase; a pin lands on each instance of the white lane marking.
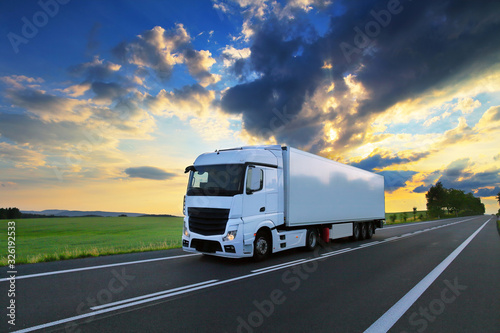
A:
(388, 319)
(369, 244)
(412, 224)
(266, 268)
(164, 292)
(122, 306)
(19, 277)
(328, 254)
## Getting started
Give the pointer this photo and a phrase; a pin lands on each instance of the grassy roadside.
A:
(50, 239)
(420, 217)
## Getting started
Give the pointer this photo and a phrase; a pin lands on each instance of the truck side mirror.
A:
(255, 179)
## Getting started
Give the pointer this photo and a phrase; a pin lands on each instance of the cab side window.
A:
(255, 180)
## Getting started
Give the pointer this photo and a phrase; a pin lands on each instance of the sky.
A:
(104, 103)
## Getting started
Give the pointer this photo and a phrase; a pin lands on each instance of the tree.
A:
(455, 201)
(436, 200)
(405, 217)
(414, 213)
(392, 218)
(10, 213)
(498, 198)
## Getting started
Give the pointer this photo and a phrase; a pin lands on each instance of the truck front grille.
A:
(207, 246)
(208, 221)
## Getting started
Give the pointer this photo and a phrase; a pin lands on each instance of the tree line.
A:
(10, 213)
(456, 202)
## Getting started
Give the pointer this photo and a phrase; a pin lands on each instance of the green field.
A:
(409, 217)
(48, 239)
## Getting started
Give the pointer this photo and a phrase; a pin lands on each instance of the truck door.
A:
(254, 201)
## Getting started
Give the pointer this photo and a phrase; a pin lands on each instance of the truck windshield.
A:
(216, 180)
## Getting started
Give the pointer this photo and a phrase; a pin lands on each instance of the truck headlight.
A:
(185, 230)
(231, 235)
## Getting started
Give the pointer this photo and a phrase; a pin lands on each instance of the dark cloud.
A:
(377, 161)
(485, 192)
(424, 45)
(95, 70)
(469, 182)
(32, 99)
(108, 91)
(148, 172)
(395, 179)
(459, 175)
(421, 189)
(286, 80)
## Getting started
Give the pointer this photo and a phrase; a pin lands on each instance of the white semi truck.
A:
(257, 200)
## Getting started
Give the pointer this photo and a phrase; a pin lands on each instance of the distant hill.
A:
(76, 213)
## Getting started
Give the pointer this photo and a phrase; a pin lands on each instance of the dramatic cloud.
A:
(193, 100)
(488, 192)
(379, 161)
(393, 52)
(48, 107)
(160, 50)
(148, 172)
(97, 69)
(107, 92)
(460, 175)
(396, 179)
(236, 61)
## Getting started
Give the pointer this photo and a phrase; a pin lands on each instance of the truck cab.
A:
(231, 195)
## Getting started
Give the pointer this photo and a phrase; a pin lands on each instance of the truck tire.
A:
(370, 228)
(261, 246)
(364, 230)
(311, 239)
(356, 231)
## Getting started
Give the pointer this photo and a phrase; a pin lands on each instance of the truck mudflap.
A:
(380, 223)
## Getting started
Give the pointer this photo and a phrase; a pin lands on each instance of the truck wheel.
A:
(261, 246)
(369, 228)
(311, 239)
(364, 230)
(356, 231)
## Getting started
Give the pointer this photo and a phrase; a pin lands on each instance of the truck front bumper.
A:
(216, 246)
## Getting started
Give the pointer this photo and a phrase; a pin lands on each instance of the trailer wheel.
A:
(370, 227)
(364, 230)
(311, 239)
(356, 232)
(261, 246)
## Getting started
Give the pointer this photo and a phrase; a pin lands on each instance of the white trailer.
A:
(253, 201)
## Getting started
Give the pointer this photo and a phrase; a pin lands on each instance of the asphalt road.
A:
(440, 276)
